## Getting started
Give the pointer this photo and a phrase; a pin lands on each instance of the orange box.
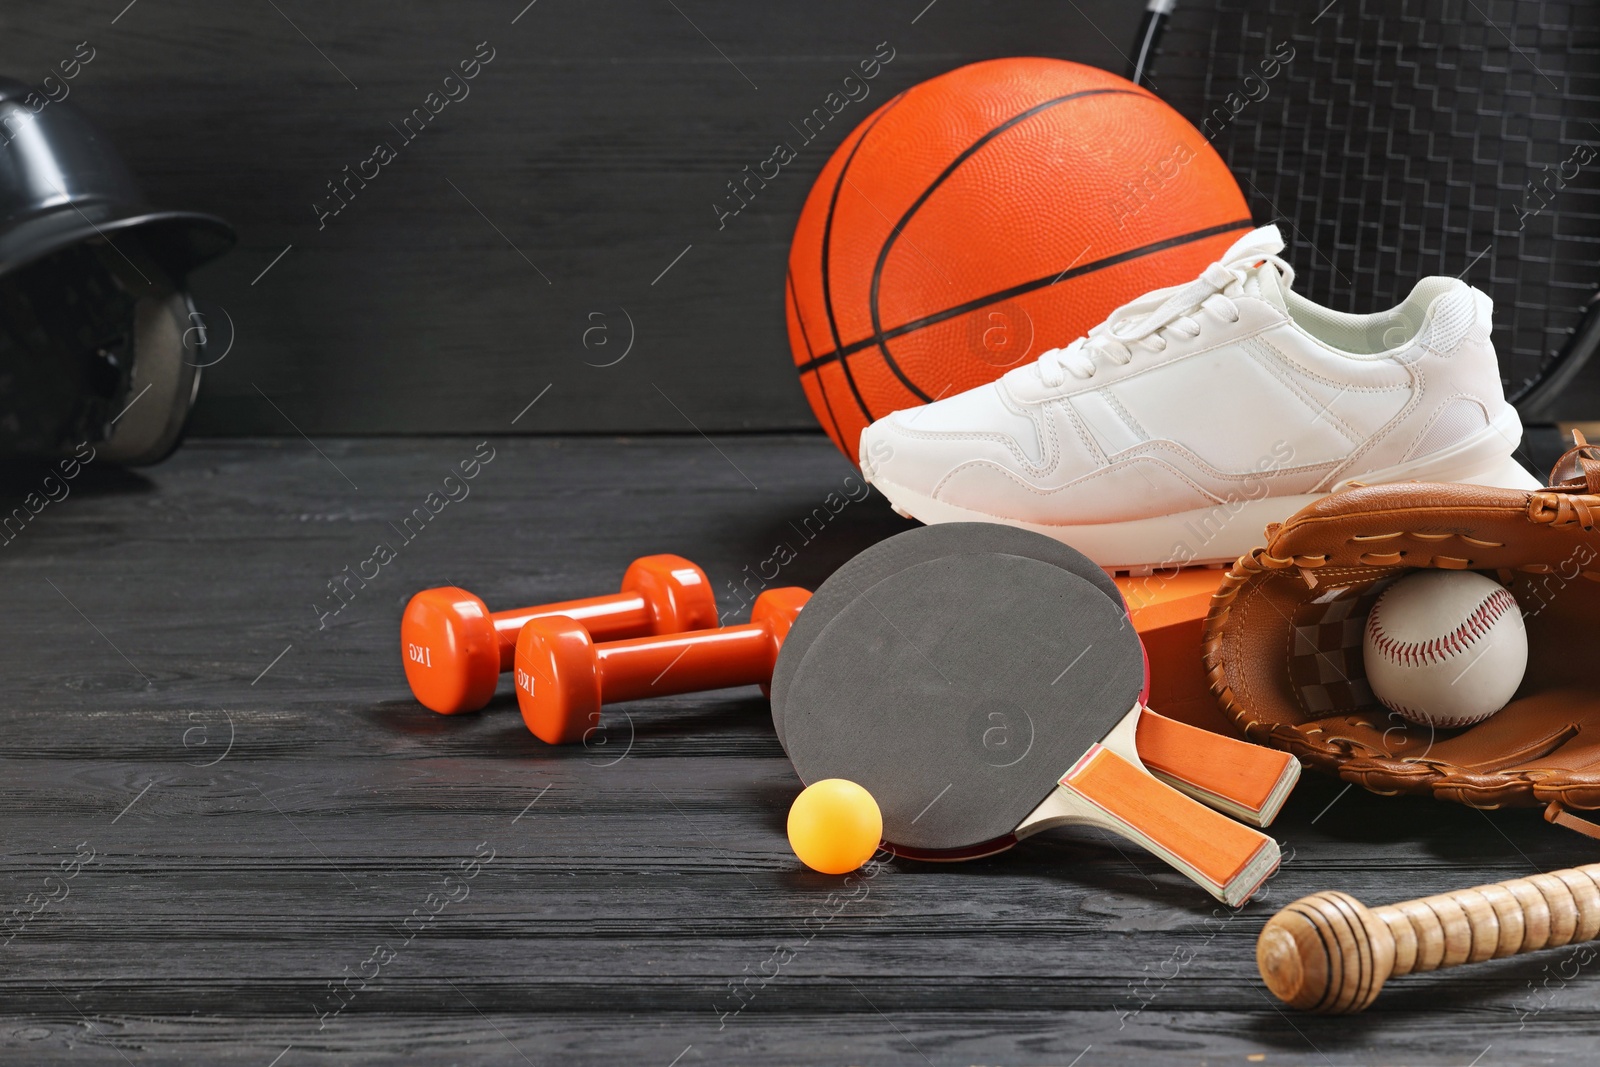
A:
(1169, 610)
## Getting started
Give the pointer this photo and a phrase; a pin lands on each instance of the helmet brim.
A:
(178, 241)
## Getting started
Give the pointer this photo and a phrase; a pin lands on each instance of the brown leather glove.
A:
(1282, 642)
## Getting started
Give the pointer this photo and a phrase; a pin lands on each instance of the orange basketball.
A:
(984, 216)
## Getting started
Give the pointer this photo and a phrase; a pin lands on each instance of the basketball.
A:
(987, 215)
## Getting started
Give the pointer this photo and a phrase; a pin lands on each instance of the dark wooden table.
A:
(258, 808)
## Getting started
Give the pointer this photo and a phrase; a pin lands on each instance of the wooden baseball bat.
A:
(1330, 953)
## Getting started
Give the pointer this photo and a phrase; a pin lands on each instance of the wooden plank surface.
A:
(581, 162)
(263, 808)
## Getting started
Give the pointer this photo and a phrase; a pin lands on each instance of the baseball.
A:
(1445, 648)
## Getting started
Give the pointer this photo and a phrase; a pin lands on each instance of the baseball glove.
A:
(1283, 640)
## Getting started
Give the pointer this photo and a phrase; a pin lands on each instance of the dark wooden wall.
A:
(585, 158)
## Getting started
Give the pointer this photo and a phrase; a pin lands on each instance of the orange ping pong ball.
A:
(835, 826)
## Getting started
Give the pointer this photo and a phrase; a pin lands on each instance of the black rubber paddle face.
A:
(907, 550)
(959, 690)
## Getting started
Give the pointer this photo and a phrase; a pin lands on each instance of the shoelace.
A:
(1138, 323)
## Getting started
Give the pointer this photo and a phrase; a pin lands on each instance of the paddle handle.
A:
(1330, 953)
(1229, 860)
(1110, 788)
(1244, 780)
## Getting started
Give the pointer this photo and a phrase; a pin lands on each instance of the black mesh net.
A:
(1393, 139)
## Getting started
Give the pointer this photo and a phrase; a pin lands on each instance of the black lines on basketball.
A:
(800, 321)
(827, 243)
(981, 302)
(955, 164)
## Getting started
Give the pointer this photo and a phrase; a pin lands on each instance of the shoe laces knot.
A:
(1145, 322)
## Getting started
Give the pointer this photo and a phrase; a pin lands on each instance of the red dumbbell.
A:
(563, 676)
(455, 650)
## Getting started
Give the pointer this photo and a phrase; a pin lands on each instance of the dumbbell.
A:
(563, 675)
(455, 650)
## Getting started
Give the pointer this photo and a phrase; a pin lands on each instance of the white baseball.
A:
(1445, 648)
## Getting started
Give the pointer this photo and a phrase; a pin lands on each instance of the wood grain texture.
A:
(646, 901)
(585, 159)
(1329, 952)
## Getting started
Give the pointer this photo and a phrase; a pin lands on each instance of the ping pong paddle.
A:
(981, 698)
(1249, 782)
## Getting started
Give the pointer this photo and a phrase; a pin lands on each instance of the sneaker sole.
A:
(1208, 536)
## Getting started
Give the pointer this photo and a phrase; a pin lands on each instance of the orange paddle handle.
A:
(687, 663)
(1205, 764)
(1227, 857)
(605, 617)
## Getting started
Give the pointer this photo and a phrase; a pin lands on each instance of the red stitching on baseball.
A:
(1438, 649)
(1416, 717)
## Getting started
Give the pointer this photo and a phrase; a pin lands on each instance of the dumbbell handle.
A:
(686, 663)
(605, 617)
(1328, 952)
(564, 678)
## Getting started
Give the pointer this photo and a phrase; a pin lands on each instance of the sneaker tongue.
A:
(1265, 282)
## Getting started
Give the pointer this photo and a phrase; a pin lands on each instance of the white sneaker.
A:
(1196, 415)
